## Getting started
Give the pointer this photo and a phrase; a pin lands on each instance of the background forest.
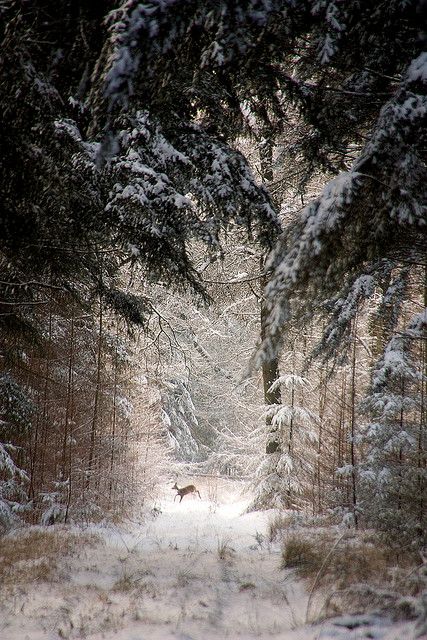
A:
(213, 253)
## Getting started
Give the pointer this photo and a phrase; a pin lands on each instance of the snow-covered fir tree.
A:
(393, 472)
(15, 422)
(282, 476)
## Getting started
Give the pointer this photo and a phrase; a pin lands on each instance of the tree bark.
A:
(68, 437)
(353, 428)
(95, 414)
(270, 368)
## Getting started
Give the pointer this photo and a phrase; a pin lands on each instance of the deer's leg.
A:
(182, 497)
(199, 494)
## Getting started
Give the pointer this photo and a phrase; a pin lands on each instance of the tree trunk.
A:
(353, 428)
(69, 399)
(95, 415)
(68, 438)
(323, 390)
(113, 420)
(422, 460)
(40, 437)
(270, 368)
(270, 373)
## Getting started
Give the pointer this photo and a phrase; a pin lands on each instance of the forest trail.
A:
(219, 576)
(197, 570)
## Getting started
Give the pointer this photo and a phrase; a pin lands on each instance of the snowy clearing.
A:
(199, 570)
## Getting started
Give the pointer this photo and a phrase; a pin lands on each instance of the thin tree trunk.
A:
(353, 427)
(291, 422)
(41, 435)
(68, 402)
(270, 373)
(422, 460)
(270, 368)
(68, 438)
(113, 421)
(95, 415)
(322, 403)
(341, 420)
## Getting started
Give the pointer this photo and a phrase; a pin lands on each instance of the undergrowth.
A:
(34, 554)
(353, 559)
(355, 570)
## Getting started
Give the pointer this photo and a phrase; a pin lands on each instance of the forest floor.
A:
(195, 570)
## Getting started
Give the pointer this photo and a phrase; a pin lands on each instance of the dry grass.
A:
(125, 583)
(225, 551)
(276, 526)
(302, 555)
(357, 571)
(353, 559)
(281, 523)
(34, 554)
(284, 522)
(211, 490)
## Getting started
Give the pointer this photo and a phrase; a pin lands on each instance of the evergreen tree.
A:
(394, 469)
(15, 422)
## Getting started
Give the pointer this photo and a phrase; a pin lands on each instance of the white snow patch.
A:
(418, 69)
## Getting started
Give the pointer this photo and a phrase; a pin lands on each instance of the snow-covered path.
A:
(206, 571)
(199, 570)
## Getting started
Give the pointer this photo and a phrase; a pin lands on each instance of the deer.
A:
(183, 492)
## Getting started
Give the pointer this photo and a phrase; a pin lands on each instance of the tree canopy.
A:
(119, 122)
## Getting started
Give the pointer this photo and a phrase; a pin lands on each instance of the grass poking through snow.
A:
(355, 571)
(34, 554)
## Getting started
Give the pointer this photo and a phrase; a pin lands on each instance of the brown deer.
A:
(183, 492)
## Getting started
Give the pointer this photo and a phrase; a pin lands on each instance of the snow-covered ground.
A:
(198, 570)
